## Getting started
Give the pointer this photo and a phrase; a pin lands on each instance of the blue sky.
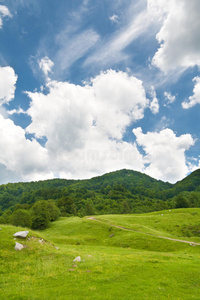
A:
(89, 87)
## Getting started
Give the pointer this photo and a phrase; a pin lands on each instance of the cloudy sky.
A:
(89, 87)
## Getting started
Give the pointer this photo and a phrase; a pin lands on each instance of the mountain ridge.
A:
(122, 191)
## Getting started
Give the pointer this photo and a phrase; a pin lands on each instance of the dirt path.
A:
(151, 234)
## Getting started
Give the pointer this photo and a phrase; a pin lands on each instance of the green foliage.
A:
(53, 211)
(66, 206)
(40, 215)
(89, 208)
(117, 192)
(181, 202)
(21, 217)
(5, 218)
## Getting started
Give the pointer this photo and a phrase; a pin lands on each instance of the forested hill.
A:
(122, 191)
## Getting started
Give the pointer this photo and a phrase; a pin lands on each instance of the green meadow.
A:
(133, 262)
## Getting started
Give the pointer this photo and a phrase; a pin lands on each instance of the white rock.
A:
(78, 259)
(21, 234)
(18, 246)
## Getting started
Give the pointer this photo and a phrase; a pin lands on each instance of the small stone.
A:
(78, 259)
(57, 248)
(18, 246)
(21, 234)
(111, 235)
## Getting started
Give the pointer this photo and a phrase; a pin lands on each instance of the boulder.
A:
(78, 259)
(18, 246)
(21, 234)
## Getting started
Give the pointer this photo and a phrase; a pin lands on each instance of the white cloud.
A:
(163, 123)
(195, 98)
(8, 79)
(169, 98)
(73, 46)
(112, 49)
(114, 18)
(179, 36)
(46, 65)
(165, 153)
(20, 156)
(84, 125)
(4, 12)
(154, 105)
(15, 111)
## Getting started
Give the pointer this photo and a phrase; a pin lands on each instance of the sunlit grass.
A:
(116, 264)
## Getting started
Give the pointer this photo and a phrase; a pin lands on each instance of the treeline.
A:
(118, 192)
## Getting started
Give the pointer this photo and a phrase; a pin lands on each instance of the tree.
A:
(181, 202)
(5, 218)
(67, 206)
(21, 217)
(53, 210)
(89, 208)
(125, 208)
(40, 215)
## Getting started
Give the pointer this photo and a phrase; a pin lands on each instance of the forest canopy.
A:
(36, 204)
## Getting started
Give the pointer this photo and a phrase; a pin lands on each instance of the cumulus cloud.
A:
(4, 12)
(8, 79)
(84, 125)
(195, 98)
(19, 155)
(165, 153)
(179, 36)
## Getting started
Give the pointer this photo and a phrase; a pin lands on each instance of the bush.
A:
(40, 215)
(181, 202)
(21, 217)
(2, 220)
(5, 218)
(53, 211)
(43, 212)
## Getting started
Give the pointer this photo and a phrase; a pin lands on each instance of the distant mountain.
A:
(116, 192)
(190, 183)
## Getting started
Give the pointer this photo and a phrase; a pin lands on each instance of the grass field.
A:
(116, 263)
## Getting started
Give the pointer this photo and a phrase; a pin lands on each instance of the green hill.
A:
(146, 256)
(119, 192)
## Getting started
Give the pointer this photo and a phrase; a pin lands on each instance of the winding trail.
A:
(151, 234)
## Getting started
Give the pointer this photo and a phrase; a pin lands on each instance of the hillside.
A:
(119, 192)
(146, 256)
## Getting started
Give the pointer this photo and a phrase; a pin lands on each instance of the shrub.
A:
(40, 215)
(21, 217)
(53, 211)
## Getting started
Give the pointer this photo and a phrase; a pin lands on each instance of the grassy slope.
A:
(128, 265)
